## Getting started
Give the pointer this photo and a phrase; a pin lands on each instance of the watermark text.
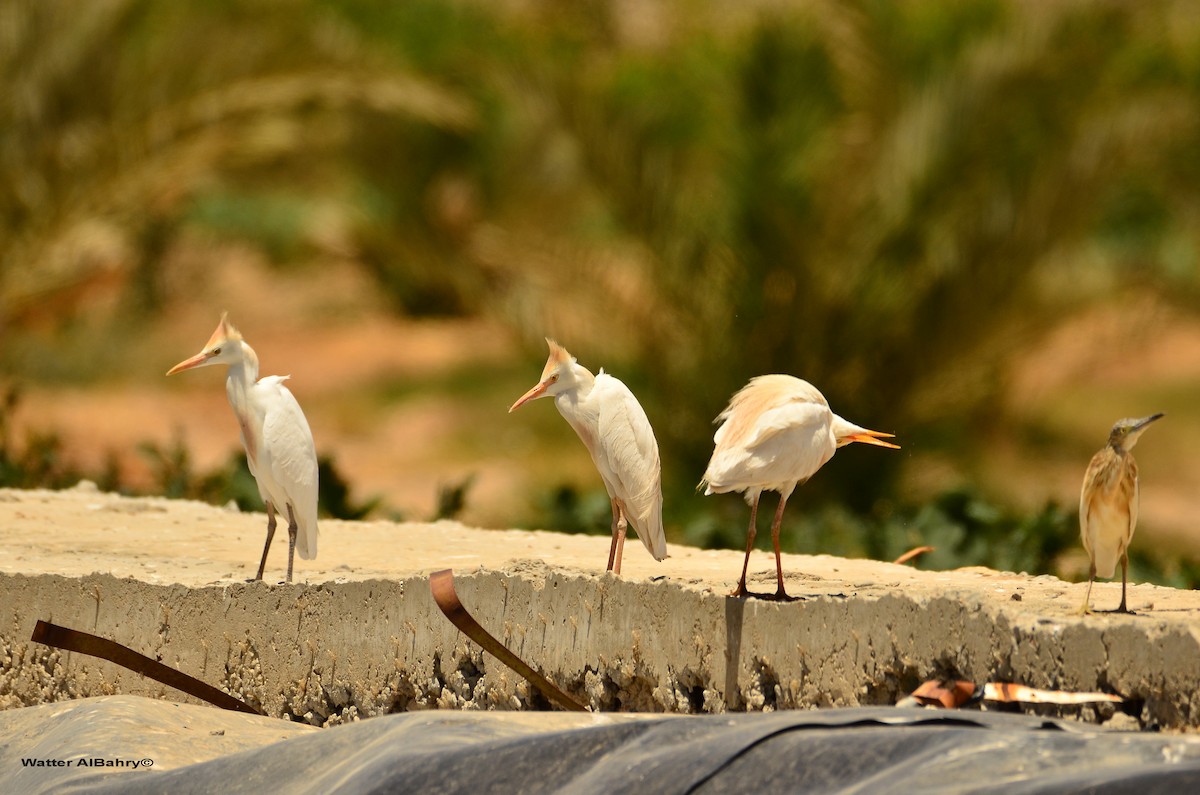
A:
(87, 761)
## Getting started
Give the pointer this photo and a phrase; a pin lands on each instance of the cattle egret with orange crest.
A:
(775, 434)
(278, 442)
(615, 430)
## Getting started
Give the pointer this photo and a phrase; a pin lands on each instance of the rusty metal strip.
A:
(948, 694)
(82, 642)
(953, 694)
(441, 584)
(1008, 692)
(913, 553)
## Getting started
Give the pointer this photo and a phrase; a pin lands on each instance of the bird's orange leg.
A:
(292, 529)
(780, 593)
(612, 550)
(619, 527)
(267, 546)
(741, 587)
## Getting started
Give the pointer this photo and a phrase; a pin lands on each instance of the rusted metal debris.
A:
(913, 553)
(956, 693)
(441, 584)
(74, 640)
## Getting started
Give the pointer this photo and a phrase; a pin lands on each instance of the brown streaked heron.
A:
(1108, 505)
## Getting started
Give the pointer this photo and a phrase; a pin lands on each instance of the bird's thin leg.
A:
(270, 535)
(612, 550)
(292, 528)
(622, 526)
(1124, 577)
(780, 593)
(1087, 596)
(741, 588)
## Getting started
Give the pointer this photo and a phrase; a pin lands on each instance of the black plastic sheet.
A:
(863, 750)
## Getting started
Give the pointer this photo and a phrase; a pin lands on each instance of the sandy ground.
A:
(81, 531)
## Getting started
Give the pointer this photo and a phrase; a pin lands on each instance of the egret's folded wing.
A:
(627, 455)
(791, 416)
(293, 460)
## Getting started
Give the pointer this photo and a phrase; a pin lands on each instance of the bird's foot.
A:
(780, 596)
(741, 592)
(260, 579)
(1122, 610)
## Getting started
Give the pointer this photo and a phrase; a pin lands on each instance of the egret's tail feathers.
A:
(656, 545)
(712, 483)
(306, 541)
(650, 530)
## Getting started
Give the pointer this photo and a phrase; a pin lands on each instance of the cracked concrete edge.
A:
(328, 653)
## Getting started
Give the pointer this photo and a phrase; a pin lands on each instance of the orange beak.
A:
(532, 394)
(188, 364)
(873, 437)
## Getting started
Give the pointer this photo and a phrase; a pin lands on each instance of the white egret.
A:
(616, 432)
(775, 434)
(279, 445)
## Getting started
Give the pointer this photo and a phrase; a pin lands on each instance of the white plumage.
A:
(287, 466)
(614, 428)
(775, 434)
(278, 442)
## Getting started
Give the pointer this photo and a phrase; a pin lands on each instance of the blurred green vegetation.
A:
(884, 198)
(39, 461)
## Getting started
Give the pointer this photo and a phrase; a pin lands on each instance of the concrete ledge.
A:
(327, 653)
(360, 644)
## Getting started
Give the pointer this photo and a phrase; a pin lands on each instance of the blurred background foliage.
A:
(891, 200)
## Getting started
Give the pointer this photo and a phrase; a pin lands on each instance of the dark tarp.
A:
(863, 750)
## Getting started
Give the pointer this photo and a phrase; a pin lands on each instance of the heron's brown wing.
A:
(1108, 505)
(1092, 479)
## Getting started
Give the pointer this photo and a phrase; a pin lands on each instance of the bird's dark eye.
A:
(554, 378)
(216, 351)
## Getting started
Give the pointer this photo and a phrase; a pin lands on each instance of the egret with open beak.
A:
(776, 432)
